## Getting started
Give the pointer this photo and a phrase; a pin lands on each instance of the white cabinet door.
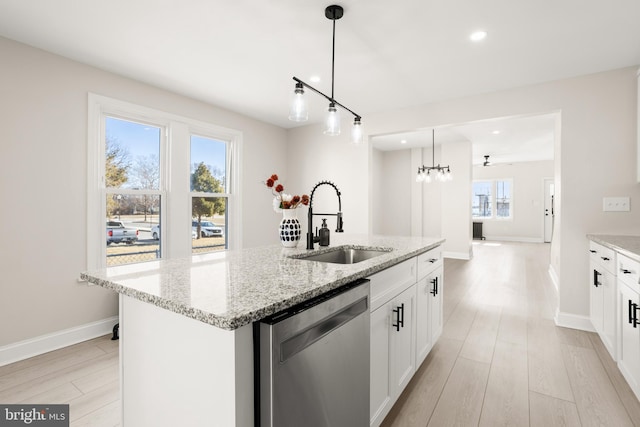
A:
(596, 291)
(629, 357)
(380, 387)
(403, 360)
(609, 312)
(435, 309)
(423, 319)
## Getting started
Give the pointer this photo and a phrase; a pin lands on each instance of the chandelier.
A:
(433, 173)
(299, 110)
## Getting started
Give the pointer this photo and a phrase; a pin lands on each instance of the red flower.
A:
(279, 188)
(274, 177)
(270, 182)
(295, 200)
(305, 200)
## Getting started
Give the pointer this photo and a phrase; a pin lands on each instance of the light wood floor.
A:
(501, 361)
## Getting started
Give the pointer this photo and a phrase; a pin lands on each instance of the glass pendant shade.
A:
(299, 111)
(332, 127)
(356, 132)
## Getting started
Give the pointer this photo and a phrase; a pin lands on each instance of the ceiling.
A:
(242, 54)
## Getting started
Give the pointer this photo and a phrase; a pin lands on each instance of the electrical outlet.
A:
(616, 204)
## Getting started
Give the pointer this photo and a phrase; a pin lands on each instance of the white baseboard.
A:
(574, 321)
(35, 346)
(457, 255)
(515, 239)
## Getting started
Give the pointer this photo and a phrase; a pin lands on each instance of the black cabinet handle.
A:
(432, 260)
(625, 271)
(595, 278)
(604, 258)
(633, 315)
(434, 290)
(592, 251)
(399, 317)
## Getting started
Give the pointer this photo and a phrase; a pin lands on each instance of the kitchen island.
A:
(186, 348)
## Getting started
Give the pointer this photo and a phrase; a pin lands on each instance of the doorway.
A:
(549, 209)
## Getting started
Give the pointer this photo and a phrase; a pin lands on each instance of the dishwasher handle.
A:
(307, 337)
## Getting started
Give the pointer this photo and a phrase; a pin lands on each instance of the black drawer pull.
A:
(625, 271)
(592, 251)
(432, 260)
(399, 317)
(595, 278)
(605, 258)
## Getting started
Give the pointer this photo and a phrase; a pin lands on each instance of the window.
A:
(491, 199)
(164, 185)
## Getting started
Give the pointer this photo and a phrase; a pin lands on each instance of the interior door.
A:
(549, 207)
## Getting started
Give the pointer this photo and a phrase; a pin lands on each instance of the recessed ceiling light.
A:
(314, 79)
(478, 35)
(404, 141)
(495, 132)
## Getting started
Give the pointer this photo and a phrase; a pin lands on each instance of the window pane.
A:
(132, 155)
(208, 155)
(133, 232)
(208, 224)
(481, 199)
(503, 199)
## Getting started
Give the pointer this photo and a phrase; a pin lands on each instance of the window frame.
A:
(494, 200)
(174, 188)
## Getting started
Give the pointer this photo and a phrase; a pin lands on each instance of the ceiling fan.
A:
(486, 161)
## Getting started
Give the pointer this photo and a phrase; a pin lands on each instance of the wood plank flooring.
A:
(501, 361)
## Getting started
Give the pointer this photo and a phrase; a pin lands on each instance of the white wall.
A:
(314, 157)
(527, 223)
(597, 127)
(43, 170)
(394, 193)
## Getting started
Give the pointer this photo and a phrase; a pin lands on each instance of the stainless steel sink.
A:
(345, 255)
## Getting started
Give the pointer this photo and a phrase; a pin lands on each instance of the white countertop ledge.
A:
(625, 245)
(231, 289)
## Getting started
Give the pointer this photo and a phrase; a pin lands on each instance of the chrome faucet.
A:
(311, 238)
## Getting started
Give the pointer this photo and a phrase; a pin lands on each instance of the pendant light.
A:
(299, 110)
(433, 173)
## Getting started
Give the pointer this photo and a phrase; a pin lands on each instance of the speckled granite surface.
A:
(626, 245)
(234, 288)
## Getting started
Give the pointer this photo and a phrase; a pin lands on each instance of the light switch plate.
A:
(616, 204)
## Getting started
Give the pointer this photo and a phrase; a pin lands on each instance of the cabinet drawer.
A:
(629, 272)
(429, 261)
(603, 255)
(388, 283)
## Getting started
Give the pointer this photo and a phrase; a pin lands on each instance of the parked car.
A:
(118, 233)
(155, 232)
(208, 229)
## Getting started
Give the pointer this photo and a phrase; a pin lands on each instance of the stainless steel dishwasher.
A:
(314, 362)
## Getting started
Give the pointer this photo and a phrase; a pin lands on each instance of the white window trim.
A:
(494, 201)
(174, 189)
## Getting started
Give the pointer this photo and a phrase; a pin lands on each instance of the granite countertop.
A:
(626, 245)
(230, 289)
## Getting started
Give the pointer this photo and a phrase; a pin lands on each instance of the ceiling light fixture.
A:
(486, 161)
(478, 35)
(439, 173)
(299, 111)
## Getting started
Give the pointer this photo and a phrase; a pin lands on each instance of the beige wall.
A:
(43, 171)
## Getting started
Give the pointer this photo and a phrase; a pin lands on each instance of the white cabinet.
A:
(603, 295)
(393, 295)
(429, 290)
(629, 321)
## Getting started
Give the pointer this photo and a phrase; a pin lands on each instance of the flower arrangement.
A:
(283, 200)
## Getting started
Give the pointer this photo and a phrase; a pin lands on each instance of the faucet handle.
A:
(340, 223)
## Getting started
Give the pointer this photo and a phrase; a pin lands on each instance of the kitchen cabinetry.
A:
(406, 321)
(629, 321)
(393, 294)
(429, 289)
(603, 295)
